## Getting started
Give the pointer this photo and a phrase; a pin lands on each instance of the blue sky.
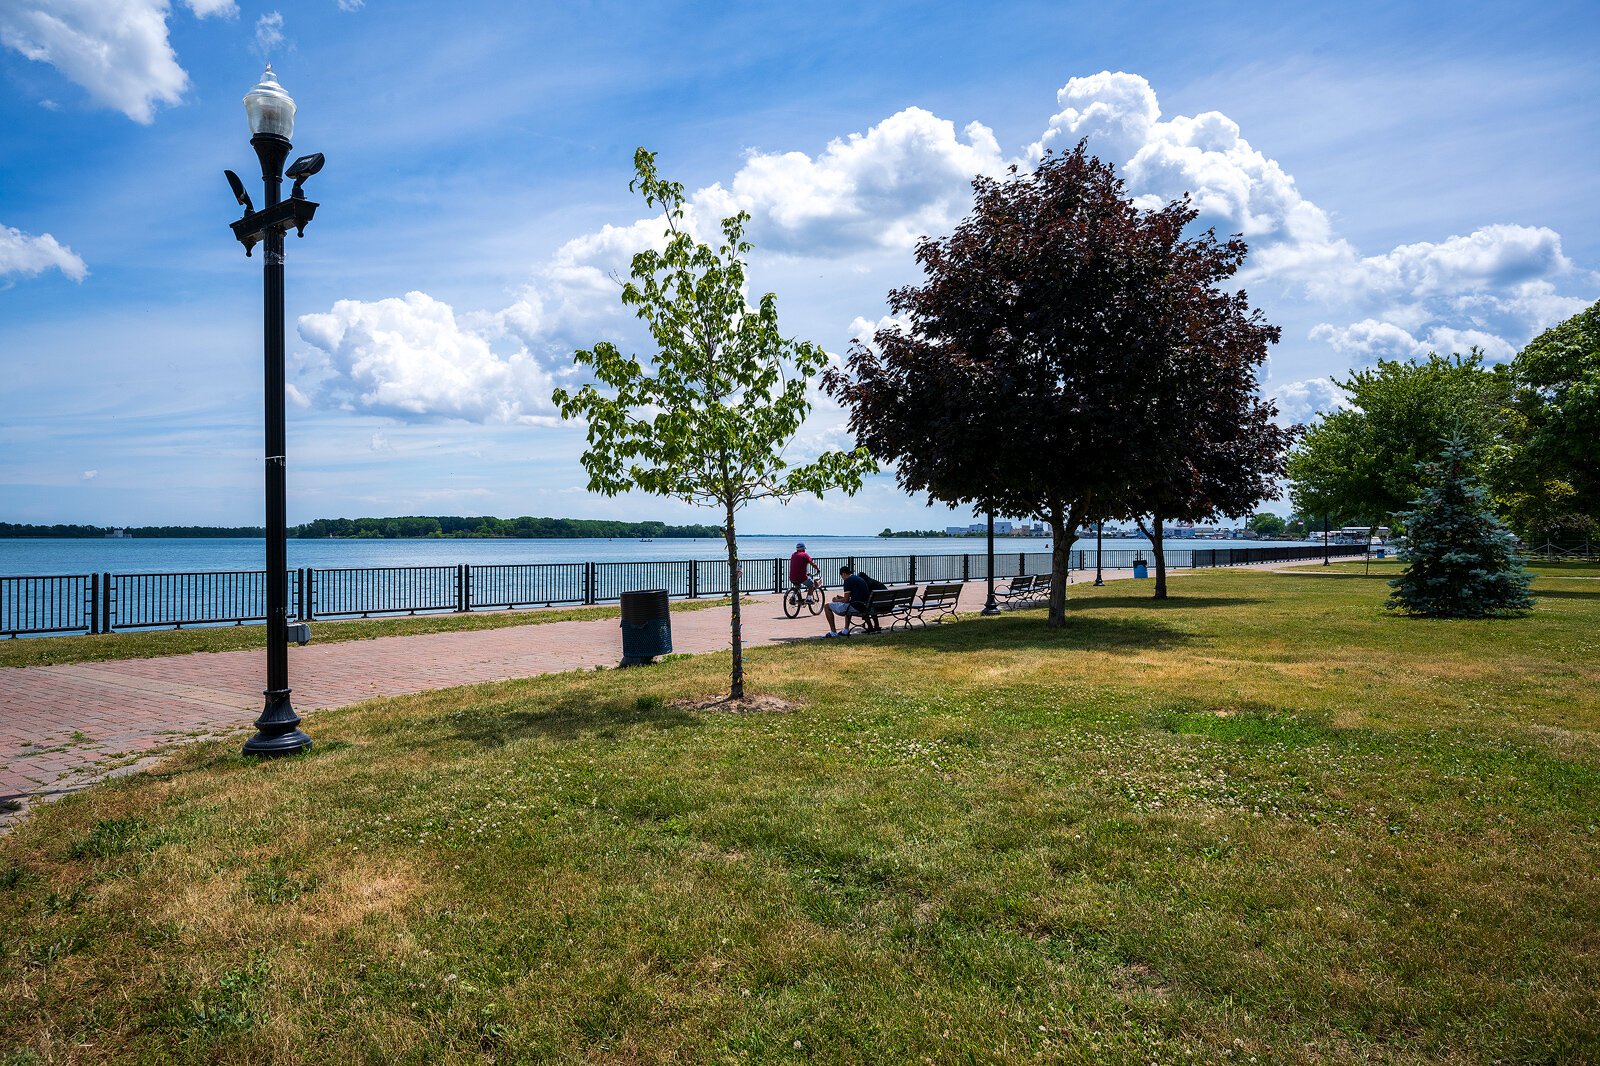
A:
(1410, 177)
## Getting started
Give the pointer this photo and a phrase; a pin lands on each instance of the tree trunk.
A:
(736, 686)
(1061, 540)
(1158, 548)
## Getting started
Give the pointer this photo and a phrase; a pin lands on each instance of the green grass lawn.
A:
(149, 643)
(1265, 820)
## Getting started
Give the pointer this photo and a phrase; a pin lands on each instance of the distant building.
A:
(119, 534)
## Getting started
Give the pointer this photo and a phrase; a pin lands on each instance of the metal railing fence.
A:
(108, 602)
(1552, 551)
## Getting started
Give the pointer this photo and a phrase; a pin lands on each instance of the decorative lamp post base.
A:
(277, 730)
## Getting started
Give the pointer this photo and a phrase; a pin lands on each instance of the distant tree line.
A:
(448, 526)
(64, 531)
(390, 528)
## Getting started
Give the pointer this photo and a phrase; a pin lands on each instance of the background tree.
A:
(1012, 385)
(1206, 445)
(1267, 525)
(1362, 463)
(1545, 473)
(1461, 561)
(707, 420)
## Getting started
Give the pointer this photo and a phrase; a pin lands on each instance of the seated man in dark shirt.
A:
(852, 601)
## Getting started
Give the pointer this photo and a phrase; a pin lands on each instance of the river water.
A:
(34, 557)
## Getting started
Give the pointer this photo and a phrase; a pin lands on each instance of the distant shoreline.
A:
(404, 527)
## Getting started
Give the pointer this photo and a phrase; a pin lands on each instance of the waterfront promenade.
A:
(63, 727)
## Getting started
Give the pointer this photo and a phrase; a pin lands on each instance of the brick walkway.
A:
(63, 727)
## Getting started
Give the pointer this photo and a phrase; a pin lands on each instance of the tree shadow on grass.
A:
(577, 716)
(1325, 575)
(1563, 594)
(1171, 603)
(1026, 631)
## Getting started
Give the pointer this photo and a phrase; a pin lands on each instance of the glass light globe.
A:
(269, 108)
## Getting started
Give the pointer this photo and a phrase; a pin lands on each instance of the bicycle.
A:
(807, 596)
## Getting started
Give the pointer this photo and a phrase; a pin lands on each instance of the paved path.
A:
(62, 727)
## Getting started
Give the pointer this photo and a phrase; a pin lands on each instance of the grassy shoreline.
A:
(1263, 819)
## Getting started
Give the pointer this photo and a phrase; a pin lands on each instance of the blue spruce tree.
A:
(1461, 560)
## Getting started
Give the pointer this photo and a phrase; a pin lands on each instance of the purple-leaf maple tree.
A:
(1052, 363)
(1206, 444)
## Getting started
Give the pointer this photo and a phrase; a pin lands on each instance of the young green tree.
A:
(1461, 561)
(1361, 463)
(707, 418)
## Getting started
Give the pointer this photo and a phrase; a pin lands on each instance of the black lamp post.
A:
(1099, 542)
(271, 114)
(991, 607)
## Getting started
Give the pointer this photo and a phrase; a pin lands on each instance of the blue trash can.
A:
(1140, 569)
(646, 626)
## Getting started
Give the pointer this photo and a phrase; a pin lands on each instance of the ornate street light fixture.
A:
(270, 111)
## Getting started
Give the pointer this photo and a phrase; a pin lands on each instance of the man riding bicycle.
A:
(801, 569)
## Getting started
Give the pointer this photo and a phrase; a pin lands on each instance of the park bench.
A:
(891, 604)
(1023, 590)
(941, 600)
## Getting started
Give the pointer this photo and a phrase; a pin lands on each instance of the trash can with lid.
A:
(646, 626)
(1140, 568)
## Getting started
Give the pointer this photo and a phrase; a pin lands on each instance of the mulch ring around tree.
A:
(750, 703)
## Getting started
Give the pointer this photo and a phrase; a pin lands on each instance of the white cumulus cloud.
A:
(875, 192)
(904, 178)
(21, 253)
(410, 358)
(1492, 288)
(1231, 183)
(118, 52)
(1299, 401)
(1369, 339)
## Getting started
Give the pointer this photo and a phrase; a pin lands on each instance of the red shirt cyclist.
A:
(801, 569)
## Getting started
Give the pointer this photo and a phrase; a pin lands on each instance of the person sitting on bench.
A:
(852, 601)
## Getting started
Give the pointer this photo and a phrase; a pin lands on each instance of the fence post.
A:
(694, 578)
(966, 567)
(913, 565)
(588, 582)
(463, 593)
(1022, 564)
(93, 606)
(105, 602)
